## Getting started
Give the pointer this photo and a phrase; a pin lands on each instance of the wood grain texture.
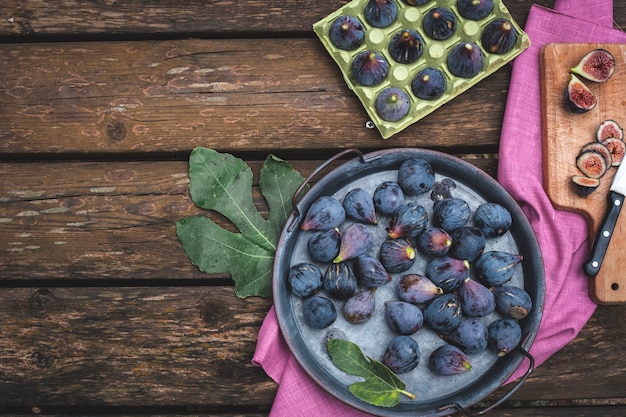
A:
(564, 134)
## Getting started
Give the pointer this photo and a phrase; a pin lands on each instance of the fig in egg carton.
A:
(406, 58)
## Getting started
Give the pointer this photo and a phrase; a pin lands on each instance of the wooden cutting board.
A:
(564, 133)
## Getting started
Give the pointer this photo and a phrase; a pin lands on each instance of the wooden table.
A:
(102, 101)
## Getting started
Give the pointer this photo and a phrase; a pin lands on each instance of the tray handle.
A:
(518, 384)
(296, 195)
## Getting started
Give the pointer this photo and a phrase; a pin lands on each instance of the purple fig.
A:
(443, 314)
(513, 302)
(465, 60)
(429, 84)
(402, 354)
(403, 318)
(370, 272)
(360, 307)
(417, 289)
(448, 360)
(439, 23)
(442, 189)
(339, 281)
(451, 213)
(397, 255)
(408, 221)
(468, 242)
(504, 335)
(323, 245)
(346, 32)
(476, 299)
(380, 13)
(369, 68)
(434, 242)
(323, 214)
(305, 279)
(355, 241)
(578, 97)
(448, 272)
(359, 206)
(499, 36)
(474, 9)
(406, 46)
(492, 219)
(470, 336)
(318, 312)
(496, 267)
(416, 176)
(388, 196)
(392, 104)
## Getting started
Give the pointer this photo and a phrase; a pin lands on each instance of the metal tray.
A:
(435, 395)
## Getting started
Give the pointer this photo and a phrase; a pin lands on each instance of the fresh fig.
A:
(474, 9)
(499, 36)
(584, 186)
(397, 255)
(439, 23)
(392, 104)
(417, 289)
(609, 128)
(359, 206)
(470, 336)
(429, 84)
(388, 196)
(451, 214)
(578, 97)
(513, 302)
(323, 245)
(447, 272)
(468, 242)
(592, 164)
(408, 221)
(318, 312)
(448, 360)
(305, 279)
(346, 32)
(504, 335)
(360, 307)
(406, 46)
(617, 149)
(370, 272)
(339, 281)
(403, 318)
(443, 314)
(601, 148)
(416, 2)
(476, 299)
(356, 239)
(434, 241)
(597, 65)
(496, 267)
(465, 60)
(380, 13)
(442, 189)
(492, 219)
(416, 176)
(369, 68)
(402, 354)
(325, 213)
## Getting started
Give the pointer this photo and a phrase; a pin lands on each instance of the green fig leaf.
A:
(223, 183)
(381, 386)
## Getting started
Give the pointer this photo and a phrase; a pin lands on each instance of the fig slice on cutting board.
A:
(597, 65)
(578, 97)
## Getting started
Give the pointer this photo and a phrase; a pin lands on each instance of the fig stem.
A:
(408, 394)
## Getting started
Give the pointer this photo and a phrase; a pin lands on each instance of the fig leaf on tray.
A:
(381, 386)
(223, 183)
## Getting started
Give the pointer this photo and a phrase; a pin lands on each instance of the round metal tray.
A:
(435, 395)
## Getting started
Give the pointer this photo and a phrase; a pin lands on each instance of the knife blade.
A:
(603, 237)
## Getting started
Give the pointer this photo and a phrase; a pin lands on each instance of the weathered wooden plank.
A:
(167, 346)
(130, 346)
(169, 96)
(108, 220)
(199, 17)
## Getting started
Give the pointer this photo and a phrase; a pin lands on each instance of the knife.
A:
(601, 242)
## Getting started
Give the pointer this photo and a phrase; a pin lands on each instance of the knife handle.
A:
(601, 243)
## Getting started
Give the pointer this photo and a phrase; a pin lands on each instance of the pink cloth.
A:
(561, 235)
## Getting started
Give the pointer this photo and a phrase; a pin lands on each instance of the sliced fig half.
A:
(617, 148)
(609, 129)
(597, 65)
(601, 149)
(584, 186)
(592, 164)
(578, 97)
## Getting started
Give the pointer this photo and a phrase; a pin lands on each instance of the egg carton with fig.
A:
(406, 58)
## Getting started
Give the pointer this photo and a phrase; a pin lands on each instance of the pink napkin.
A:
(561, 235)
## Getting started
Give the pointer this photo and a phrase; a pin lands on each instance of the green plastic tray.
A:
(434, 55)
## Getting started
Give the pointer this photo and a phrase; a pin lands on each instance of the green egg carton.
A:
(434, 54)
